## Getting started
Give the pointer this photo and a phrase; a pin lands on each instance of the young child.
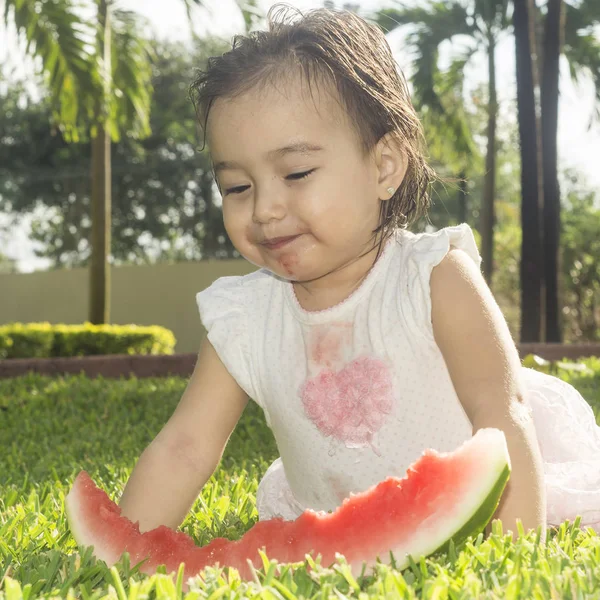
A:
(363, 343)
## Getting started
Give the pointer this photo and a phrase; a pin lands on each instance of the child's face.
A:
(261, 143)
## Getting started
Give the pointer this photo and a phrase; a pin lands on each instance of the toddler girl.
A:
(363, 343)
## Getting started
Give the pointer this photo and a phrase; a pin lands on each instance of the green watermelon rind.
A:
(483, 502)
(476, 524)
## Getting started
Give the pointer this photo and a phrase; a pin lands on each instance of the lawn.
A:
(51, 428)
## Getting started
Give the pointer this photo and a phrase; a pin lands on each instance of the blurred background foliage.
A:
(166, 207)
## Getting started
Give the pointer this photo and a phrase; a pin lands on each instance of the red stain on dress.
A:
(327, 343)
(352, 404)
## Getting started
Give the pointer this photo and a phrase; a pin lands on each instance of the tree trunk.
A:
(553, 33)
(101, 221)
(531, 191)
(462, 197)
(100, 283)
(487, 210)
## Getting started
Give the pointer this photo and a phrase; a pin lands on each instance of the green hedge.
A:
(43, 340)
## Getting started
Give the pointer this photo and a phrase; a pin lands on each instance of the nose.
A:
(269, 205)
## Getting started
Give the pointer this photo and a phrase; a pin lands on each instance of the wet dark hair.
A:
(341, 48)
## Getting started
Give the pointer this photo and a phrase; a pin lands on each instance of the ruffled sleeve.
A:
(223, 312)
(424, 252)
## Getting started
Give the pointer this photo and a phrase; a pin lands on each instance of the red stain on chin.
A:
(289, 263)
(350, 405)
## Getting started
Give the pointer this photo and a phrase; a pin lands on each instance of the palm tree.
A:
(531, 181)
(120, 105)
(105, 93)
(552, 49)
(568, 30)
(443, 21)
(481, 22)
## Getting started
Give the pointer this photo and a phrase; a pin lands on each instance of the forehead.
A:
(275, 115)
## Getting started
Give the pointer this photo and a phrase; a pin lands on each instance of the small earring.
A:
(391, 191)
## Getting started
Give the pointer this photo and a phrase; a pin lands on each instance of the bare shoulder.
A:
(458, 286)
(211, 377)
(457, 268)
(463, 306)
(472, 333)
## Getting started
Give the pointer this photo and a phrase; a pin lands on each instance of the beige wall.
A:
(145, 295)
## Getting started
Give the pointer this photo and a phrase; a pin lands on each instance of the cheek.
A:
(235, 226)
(233, 214)
(320, 200)
(315, 206)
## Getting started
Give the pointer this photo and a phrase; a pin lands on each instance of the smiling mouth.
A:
(280, 242)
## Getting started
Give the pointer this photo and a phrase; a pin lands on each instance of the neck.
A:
(334, 287)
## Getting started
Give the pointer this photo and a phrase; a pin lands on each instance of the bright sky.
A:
(578, 146)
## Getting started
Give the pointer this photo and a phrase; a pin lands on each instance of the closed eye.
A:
(291, 177)
(302, 175)
(236, 190)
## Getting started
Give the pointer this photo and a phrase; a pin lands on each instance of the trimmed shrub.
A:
(43, 340)
(5, 344)
(28, 340)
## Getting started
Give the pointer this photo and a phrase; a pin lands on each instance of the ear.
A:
(391, 161)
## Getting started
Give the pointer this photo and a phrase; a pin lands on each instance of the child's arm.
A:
(172, 470)
(484, 366)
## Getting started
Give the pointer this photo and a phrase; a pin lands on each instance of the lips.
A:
(278, 242)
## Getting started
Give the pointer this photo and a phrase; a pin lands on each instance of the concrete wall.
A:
(145, 295)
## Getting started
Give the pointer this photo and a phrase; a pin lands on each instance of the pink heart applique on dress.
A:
(352, 404)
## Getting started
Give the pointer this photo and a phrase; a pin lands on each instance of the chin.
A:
(289, 266)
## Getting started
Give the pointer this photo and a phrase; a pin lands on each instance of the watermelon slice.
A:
(443, 496)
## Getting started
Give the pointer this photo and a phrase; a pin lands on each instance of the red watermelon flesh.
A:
(443, 496)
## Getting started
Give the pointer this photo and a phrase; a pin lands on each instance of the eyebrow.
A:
(297, 148)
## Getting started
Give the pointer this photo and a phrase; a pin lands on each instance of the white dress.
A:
(356, 392)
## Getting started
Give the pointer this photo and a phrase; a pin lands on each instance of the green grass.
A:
(50, 429)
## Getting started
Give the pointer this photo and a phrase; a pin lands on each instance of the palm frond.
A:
(447, 130)
(189, 6)
(582, 46)
(55, 33)
(583, 14)
(251, 12)
(437, 16)
(391, 18)
(492, 13)
(131, 92)
(437, 95)
(437, 23)
(505, 18)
